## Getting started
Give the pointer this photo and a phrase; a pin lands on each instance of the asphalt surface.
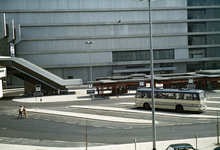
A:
(53, 130)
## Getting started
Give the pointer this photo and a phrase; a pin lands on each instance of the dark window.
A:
(166, 65)
(213, 26)
(202, 2)
(203, 13)
(197, 53)
(213, 52)
(192, 67)
(70, 77)
(142, 55)
(208, 65)
(204, 26)
(196, 39)
(196, 13)
(212, 65)
(196, 2)
(196, 26)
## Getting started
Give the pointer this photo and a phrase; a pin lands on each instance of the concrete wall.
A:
(85, 4)
(181, 54)
(54, 33)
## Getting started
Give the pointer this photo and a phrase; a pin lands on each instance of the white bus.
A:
(177, 99)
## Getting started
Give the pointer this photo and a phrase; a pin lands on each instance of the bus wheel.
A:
(146, 106)
(179, 108)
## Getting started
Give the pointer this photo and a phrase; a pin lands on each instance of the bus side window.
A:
(139, 94)
(170, 95)
(174, 95)
(181, 96)
(195, 97)
(163, 95)
(188, 96)
(177, 96)
(157, 95)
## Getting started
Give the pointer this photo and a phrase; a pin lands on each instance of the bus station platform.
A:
(202, 79)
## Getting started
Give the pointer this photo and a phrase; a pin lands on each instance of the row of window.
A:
(204, 39)
(203, 52)
(202, 2)
(142, 55)
(164, 54)
(203, 26)
(163, 95)
(209, 13)
(204, 65)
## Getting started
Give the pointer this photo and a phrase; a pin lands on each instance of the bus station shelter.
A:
(202, 79)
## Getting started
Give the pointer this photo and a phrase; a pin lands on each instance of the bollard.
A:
(217, 130)
(196, 136)
(217, 135)
(135, 141)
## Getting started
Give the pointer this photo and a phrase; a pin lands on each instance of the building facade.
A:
(186, 36)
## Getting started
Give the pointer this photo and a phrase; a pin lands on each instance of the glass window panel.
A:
(213, 39)
(147, 55)
(213, 52)
(213, 26)
(202, 2)
(192, 67)
(197, 53)
(213, 13)
(156, 55)
(141, 55)
(197, 40)
(196, 2)
(196, 13)
(166, 65)
(196, 26)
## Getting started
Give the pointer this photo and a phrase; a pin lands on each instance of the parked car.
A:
(217, 148)
(181, 146)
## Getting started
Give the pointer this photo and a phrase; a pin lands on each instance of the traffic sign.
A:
(90, 86)
(90, 91)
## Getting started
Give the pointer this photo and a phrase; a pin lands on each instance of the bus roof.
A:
(169, 90)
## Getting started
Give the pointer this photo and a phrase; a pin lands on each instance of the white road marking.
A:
(213, 102)
(212, 108)
(126, 103)
(145, 111)
(93, 117)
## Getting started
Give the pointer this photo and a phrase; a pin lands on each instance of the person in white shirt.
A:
(20, 111)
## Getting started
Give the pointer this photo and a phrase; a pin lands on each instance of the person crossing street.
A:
(20, 111)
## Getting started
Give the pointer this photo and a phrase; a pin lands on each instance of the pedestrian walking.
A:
(20, 111)
(25, 112)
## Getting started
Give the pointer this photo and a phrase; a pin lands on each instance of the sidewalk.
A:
(79, 96)
(202, 144)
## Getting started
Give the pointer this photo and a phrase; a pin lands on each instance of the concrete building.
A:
(53, 35)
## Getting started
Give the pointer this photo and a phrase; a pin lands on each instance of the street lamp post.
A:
(152, 78)
(90, 42)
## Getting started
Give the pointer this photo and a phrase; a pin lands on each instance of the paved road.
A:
(59, 130)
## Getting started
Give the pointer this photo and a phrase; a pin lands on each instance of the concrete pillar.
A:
(28, 88)
(204, 84)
